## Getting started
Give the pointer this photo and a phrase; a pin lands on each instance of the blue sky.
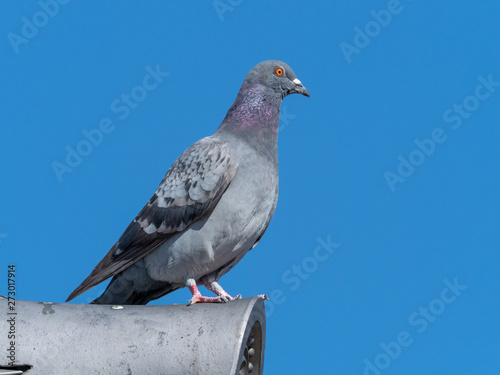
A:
(382, 256)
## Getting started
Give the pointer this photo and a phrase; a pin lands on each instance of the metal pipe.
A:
(63, 338)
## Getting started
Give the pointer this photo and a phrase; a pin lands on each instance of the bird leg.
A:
(197, 297)
(217, 289)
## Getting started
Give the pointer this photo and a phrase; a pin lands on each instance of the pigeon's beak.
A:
(299, 88)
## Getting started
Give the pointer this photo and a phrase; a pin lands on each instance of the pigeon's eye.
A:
(279, 71)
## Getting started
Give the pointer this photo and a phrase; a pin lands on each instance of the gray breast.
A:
(225, 235)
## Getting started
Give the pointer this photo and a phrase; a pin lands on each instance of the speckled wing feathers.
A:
(191, 188)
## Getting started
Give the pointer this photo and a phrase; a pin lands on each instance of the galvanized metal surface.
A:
(76, 339)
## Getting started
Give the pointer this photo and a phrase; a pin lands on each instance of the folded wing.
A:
(189, 191)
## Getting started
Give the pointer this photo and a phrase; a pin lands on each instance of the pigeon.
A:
(213, 205)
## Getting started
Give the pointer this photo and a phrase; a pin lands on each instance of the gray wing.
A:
(190, 190)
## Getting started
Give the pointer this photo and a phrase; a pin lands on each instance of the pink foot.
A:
(228, 298)
(198, 298)
(217, 289)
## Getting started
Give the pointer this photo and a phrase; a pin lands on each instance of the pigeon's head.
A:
(256, 109)
(277, 76)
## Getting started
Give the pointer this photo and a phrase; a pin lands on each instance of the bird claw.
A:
(201, 299)
(228, 298)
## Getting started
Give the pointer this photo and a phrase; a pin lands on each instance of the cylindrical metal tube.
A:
(58, 339)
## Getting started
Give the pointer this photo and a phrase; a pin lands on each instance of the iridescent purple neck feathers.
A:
(255, 109)
(255, 114)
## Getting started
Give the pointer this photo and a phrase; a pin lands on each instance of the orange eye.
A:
(279, 71)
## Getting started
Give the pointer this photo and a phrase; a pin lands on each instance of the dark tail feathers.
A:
(121, 291)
